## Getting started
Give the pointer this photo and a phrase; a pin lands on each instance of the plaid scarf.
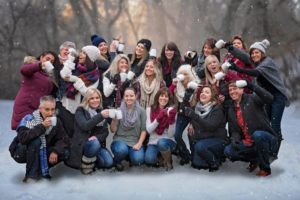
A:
(89, 77)
(36, 120)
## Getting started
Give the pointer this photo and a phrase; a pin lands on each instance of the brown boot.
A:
(167, 156)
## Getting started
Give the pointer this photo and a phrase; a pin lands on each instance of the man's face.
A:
(47, 109)
(235, 93)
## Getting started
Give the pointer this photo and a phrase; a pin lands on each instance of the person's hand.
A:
(53, 158)
(190, 130)
(189, 112)
(162, 114)
(221, 98)
(105, 113)
(174, 81)
(113, 46)
(47, 122)
(137, 146)
(92, 138)
(233, 66)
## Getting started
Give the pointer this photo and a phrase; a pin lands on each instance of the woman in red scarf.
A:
(160, 125)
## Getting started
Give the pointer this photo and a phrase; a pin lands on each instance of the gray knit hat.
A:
(92, 52)
(262, 46)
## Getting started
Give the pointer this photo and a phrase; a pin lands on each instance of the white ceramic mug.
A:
(48, 66)
(130, 75)
(220, 43)
(121, 47)
(112, 113)
(123, 76)
(119, 114)
(241, 83)
(219, 75)
(53, 121)
(225, 66)
(152, 53)
(180, 77)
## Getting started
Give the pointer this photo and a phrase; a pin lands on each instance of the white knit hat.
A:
(92, 52)
(262, 46)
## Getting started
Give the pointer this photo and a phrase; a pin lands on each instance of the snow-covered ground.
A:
(232, 181)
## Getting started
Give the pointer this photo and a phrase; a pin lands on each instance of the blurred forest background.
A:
(29, 27)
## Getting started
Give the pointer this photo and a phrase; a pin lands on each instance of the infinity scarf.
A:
(148, 92)
(130, 118)
(204, 110)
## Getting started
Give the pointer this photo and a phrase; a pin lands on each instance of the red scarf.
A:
(241, 122)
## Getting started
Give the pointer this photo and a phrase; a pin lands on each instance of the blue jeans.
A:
(181, 123)
(264, 146)
(122, 151)
(208, 152)
(152, 150)
(275, 112)
(93, 148)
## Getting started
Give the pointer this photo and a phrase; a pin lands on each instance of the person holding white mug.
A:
(88, 149)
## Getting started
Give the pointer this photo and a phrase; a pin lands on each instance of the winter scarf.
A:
(204, 110)
(92, 113)
(148, 92)
(166, 121)
(89, 77)
(37, 119)
(130, 118)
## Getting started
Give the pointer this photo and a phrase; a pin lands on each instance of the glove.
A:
(162, 114)
(187, 95)
(228, 45)
(233, 66)
(116, 79)
(189, 112)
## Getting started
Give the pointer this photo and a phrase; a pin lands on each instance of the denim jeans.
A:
(208, 152)
(93, 148)
(264, 146)
(122, 151)
(181, 123)
(152, 150)
(275, 112)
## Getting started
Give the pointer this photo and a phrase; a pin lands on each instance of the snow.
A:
(232, 181)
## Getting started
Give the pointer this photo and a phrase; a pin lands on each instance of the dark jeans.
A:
(264, 146)
(104, 158)
(152, 150)
(181, 123)
(208, 152)
(29, 154)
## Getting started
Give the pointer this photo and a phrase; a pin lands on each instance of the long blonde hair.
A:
(87, 96)
(144, 56)
(113, 68)
(208, 76)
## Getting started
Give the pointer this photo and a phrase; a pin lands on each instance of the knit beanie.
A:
(262, 46)
(147, 43)
(92, 52)
(96, 40)
(67, 44)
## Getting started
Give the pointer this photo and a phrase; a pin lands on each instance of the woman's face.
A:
(207, 50)
(139, 50)
(213, 66)
(169, 53)
(256, 55)
(103, 48)
(205, 95)
(163, 100)
(82, 57)
(47, 57)
(237, 43)
(123, 65)
(149, 69)
(129, 97)
(64, 52)
(94, 101)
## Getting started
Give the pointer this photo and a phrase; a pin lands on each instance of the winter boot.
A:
(167, 157)
(87, 164)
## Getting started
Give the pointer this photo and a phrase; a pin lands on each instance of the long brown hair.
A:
(162, 91)
(214, 93)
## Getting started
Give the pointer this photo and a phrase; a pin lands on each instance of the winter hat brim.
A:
(96, 40)
(92, 52)
(147, 43)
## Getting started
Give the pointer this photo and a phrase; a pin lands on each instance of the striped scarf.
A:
(37, 119)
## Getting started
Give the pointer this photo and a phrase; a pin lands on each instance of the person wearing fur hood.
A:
(183, 88)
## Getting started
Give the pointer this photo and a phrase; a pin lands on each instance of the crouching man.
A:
(252, 138)
(41, 141)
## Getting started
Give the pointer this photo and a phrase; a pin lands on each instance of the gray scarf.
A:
(130, 118)
(204, 110)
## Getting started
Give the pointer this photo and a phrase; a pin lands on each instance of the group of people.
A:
(69, 103)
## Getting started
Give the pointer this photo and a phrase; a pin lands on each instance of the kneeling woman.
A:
(207, 130)
(88, 142)
(161, 127)
(130, 131)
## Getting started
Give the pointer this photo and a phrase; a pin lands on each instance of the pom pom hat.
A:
(262, 46)
(96, 40)
(92, 52)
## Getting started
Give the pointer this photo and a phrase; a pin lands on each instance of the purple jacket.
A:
(35, 84)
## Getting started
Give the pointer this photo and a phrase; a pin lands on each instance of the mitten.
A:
(162, 114)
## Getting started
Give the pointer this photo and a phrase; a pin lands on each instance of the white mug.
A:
(220, 44)
(225, 66)
(241, 83)
(152, 53)
(219, 75)
(53, 121)
(70, 64)
(112, 113)
(119, 114)
(192, 85)
(48, 66)
(180, 77)
(123, 76)
(121, 47)
(130, 75)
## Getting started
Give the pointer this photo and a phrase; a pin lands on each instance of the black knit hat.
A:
(147, 43)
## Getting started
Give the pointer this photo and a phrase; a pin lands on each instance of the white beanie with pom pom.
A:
(262, 46)
(92, 52)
